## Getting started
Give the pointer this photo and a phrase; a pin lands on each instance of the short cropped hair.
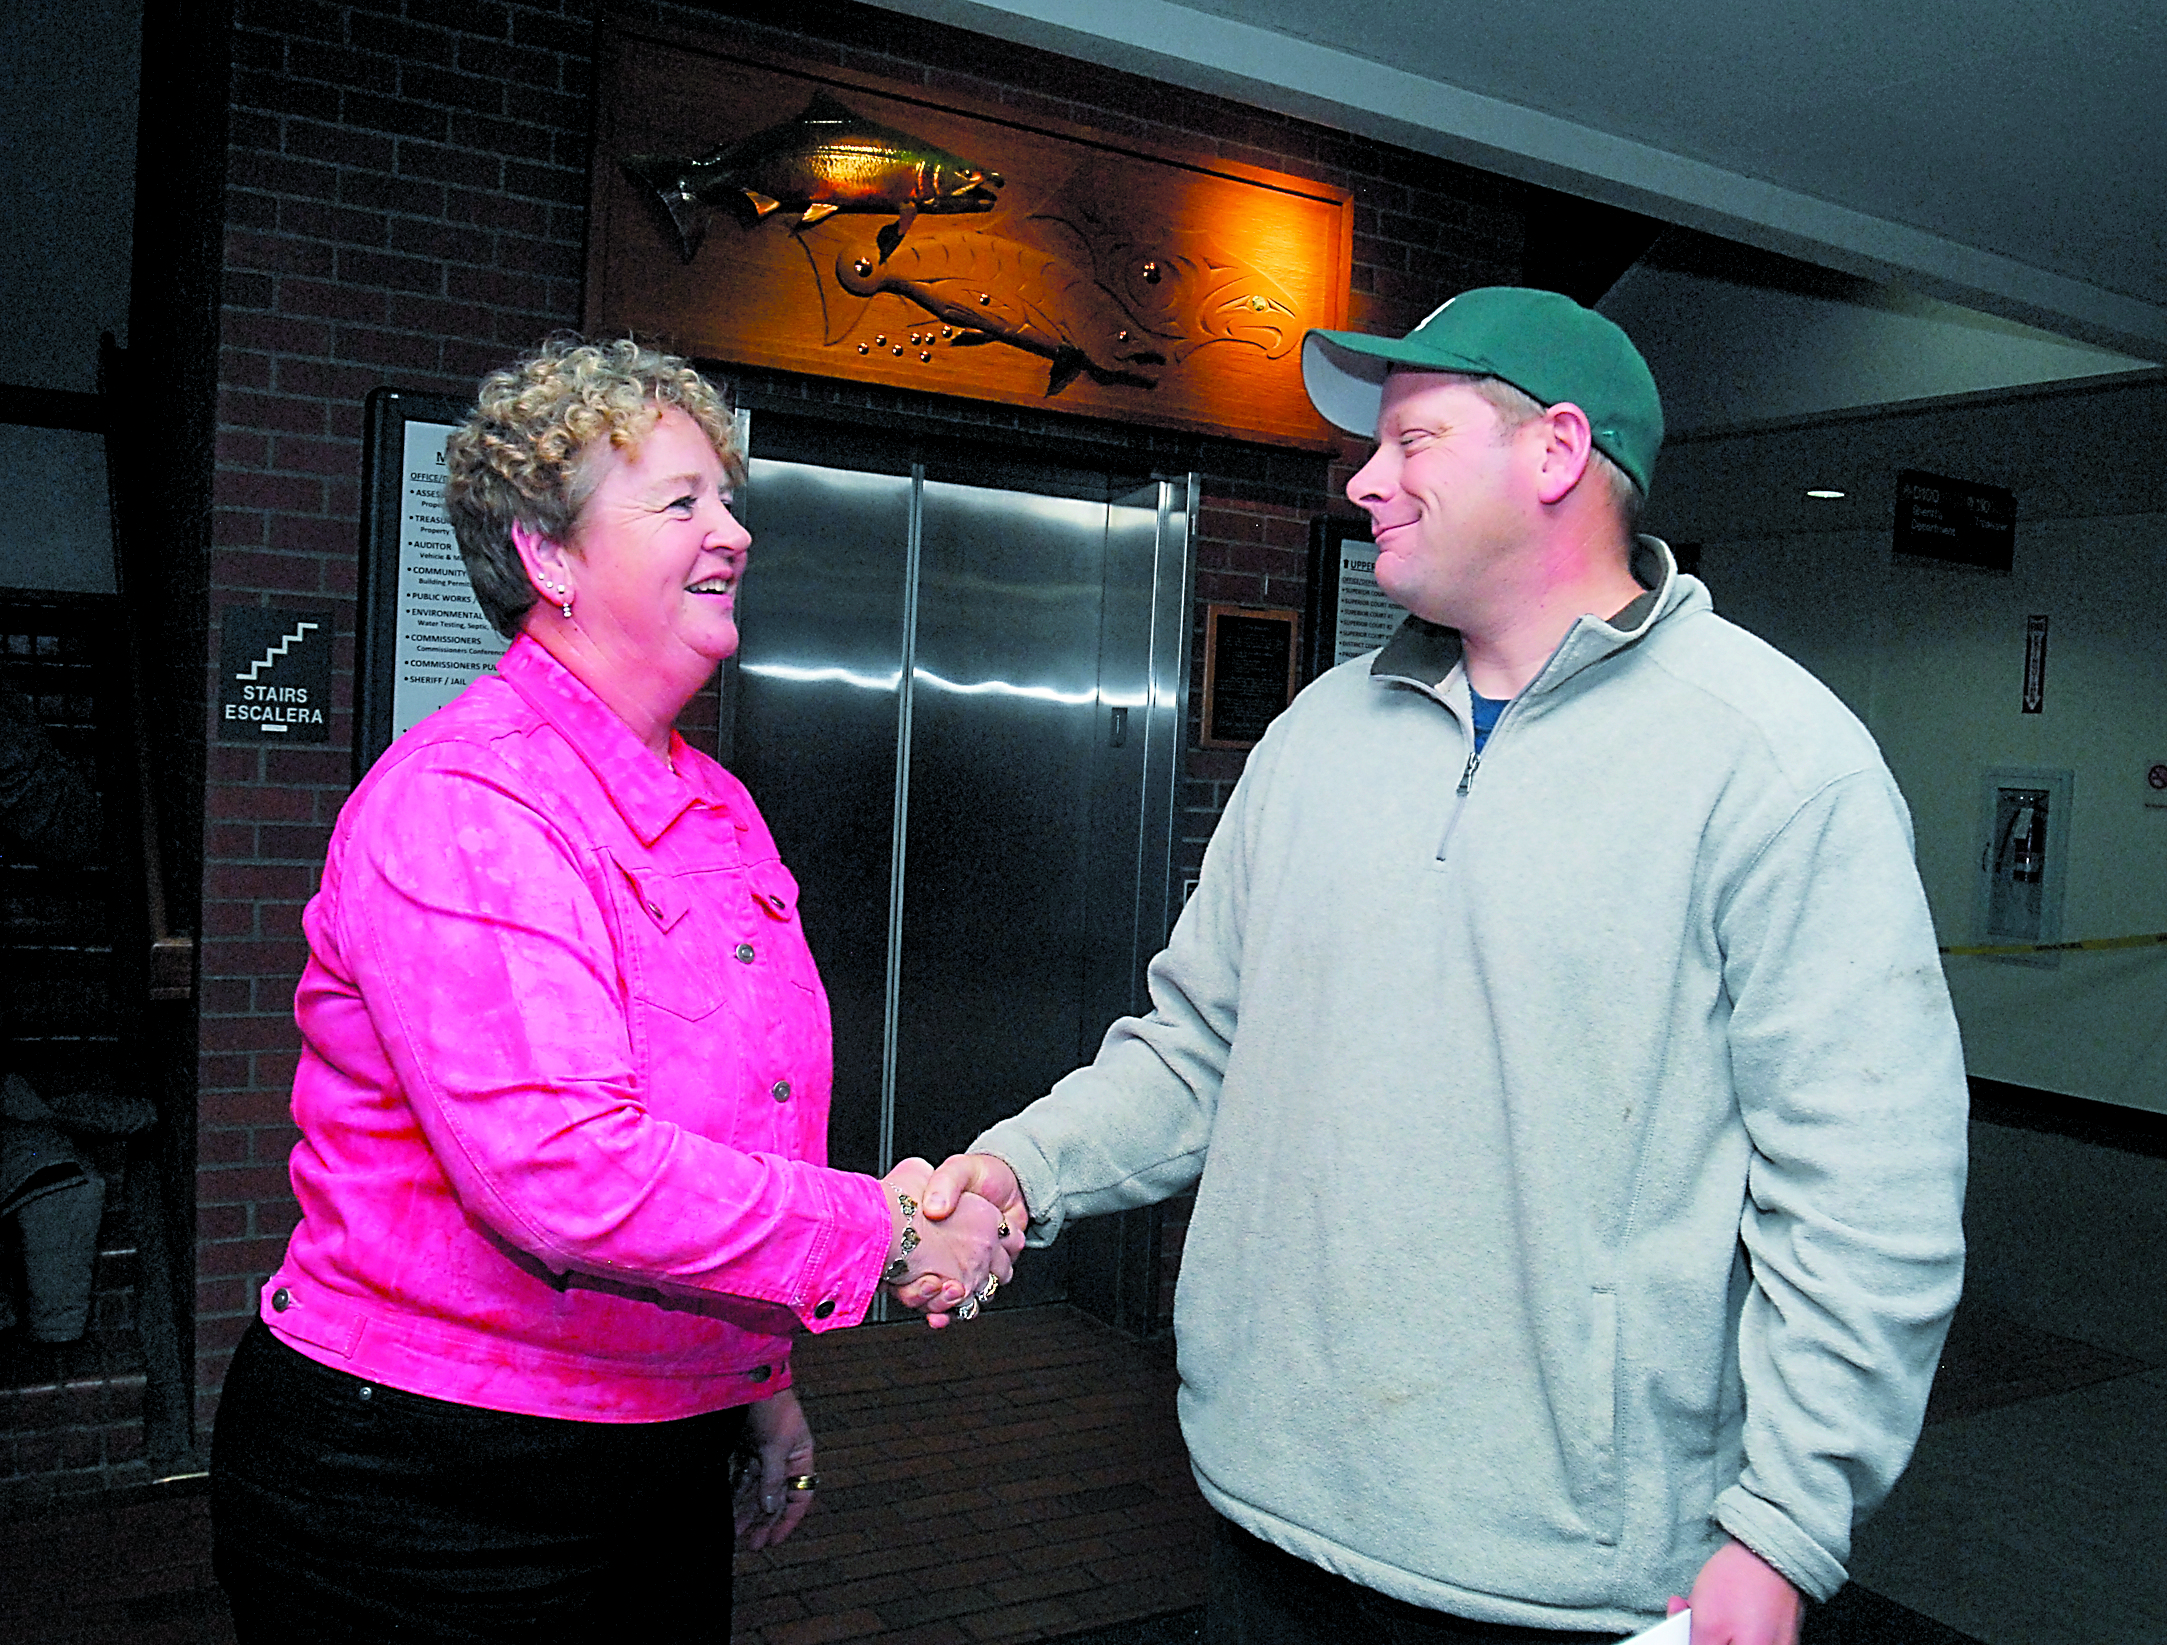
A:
(1515, 408)
(527, 453)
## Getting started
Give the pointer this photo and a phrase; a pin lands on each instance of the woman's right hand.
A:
(950, 1260)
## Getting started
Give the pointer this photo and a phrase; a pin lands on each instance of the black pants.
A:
(345, 1510)
(1262, 1595)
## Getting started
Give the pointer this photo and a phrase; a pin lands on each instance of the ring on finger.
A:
(985, 1291)
(967, 1308)
(803, 1482)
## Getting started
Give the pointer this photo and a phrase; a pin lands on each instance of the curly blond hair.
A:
(526, 455)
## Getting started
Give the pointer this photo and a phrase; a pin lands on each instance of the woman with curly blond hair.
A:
(562, 1097)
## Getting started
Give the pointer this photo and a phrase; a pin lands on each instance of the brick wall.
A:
(404, 206)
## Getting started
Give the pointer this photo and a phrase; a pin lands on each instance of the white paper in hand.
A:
(1677, 1630)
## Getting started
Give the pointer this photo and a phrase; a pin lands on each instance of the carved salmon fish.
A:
(1178, 285)
(825, 161)
(992, 290)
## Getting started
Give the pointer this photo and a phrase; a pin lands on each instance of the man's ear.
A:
(1568, 443)
(543, 559)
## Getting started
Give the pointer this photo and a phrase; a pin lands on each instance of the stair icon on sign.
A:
(277, 651)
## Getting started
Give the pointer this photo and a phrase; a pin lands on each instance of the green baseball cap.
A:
(1542, 342)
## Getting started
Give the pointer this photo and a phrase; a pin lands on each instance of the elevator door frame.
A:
(1142, 669)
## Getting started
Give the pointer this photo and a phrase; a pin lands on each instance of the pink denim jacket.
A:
(563, 1091)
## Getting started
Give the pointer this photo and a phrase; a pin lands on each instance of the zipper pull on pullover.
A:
(1467, 777)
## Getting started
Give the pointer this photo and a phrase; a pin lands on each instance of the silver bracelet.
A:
(899, 1269)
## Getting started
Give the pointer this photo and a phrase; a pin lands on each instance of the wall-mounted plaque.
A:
(274, 675)
(1252, 668)
(750, 209)
(1955, 521)
(422, 635)
(1348, 613)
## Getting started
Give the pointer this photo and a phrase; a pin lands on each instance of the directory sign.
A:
(422, 636)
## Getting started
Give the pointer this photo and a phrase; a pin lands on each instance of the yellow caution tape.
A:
(2090, 945)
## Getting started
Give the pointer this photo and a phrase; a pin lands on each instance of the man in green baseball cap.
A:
(1544, 344)
(1557, 1042)
(1496, 381)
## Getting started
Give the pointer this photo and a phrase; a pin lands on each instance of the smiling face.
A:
(657, 556)
(1451, 495)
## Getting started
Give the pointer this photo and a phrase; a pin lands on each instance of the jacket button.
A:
(760, 1373)
(744, 953)
(281, 1300)
(780, 1091)
(822, 1310)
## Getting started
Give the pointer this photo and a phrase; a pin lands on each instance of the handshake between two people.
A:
(955, 1234)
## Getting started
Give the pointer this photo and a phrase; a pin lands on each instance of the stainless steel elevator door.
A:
(817, 683)
(1010, 593)
(980, 921)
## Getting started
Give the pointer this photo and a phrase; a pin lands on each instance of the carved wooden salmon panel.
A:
(827, 160)
(991, 289)
(1177, 284)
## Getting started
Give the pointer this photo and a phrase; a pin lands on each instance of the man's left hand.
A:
(1740, 1599)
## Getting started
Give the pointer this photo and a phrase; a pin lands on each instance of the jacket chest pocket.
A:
(784, 1027)
(676, 935)
(771, 920)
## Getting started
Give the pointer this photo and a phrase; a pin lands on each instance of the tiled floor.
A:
(1991, 1361)
(1022, 1478)
(2036, 1523)
(1019, 1478)
(130, 1570)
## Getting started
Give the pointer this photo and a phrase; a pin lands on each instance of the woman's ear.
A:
(544, 561)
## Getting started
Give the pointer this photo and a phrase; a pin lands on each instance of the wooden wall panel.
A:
(1097, 277)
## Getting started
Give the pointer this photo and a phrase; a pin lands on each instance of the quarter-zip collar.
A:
(1426, 655)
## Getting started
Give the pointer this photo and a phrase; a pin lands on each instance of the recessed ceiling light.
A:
(1823, 493)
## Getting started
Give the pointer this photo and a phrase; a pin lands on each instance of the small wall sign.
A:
(1251, 671)
(1955, 521)
(2035, 665)
(274, 675)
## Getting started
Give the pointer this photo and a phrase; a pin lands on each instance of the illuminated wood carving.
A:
(750, 210)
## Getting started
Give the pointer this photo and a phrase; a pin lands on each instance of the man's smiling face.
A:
(1450, 494)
